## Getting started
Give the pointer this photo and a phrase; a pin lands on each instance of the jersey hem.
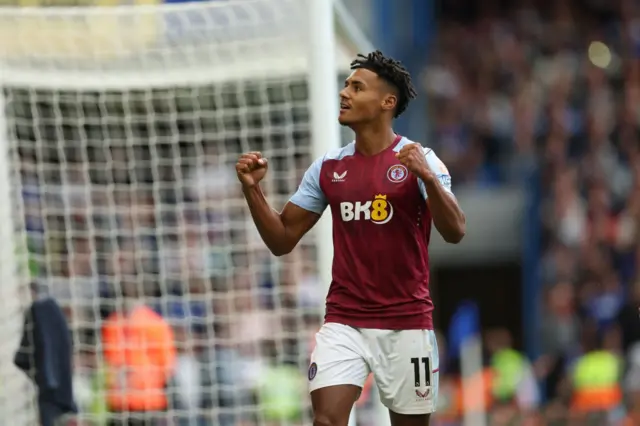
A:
(380, 323)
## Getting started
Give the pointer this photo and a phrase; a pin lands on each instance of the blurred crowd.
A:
(555, 87)
(136, 226)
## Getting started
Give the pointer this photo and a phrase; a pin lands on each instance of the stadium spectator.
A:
(140, 353)
(513, 382)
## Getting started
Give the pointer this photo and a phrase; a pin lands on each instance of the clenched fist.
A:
(412, 157)
(251, 168)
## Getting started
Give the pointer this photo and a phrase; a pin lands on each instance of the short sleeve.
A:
(309, 195)
(442, 173)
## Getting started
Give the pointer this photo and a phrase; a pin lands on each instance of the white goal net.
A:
(119, 130)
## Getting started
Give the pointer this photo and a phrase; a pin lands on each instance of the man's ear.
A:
(389, 102)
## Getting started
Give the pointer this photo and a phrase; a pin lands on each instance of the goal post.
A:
(126, 121)
(14, 288)
(325, 136)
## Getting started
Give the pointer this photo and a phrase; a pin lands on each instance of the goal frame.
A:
(325, 57)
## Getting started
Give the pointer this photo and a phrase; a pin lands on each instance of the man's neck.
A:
(371, 140)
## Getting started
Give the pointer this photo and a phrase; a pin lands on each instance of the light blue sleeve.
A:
(309, 195)
(442, 173)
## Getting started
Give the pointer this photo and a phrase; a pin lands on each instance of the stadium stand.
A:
(556, 85)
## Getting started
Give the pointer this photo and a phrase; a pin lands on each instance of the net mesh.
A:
(123, 125)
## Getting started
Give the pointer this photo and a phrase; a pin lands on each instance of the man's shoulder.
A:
(340, 153)
(432, 159)
(332, 159)
(406, 141)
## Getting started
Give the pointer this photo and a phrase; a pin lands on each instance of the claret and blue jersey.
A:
(381, 232)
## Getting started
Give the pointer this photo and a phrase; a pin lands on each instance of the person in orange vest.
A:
(140, 356)
(596, 377)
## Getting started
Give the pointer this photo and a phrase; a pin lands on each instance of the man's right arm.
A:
(282, 231)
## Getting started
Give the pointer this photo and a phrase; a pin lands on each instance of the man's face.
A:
(363, 98)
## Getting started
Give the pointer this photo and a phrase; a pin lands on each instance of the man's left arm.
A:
(435, 185)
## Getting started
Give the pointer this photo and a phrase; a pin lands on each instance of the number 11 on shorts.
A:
(416, 371)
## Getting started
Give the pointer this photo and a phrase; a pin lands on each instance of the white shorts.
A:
(404, 364)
